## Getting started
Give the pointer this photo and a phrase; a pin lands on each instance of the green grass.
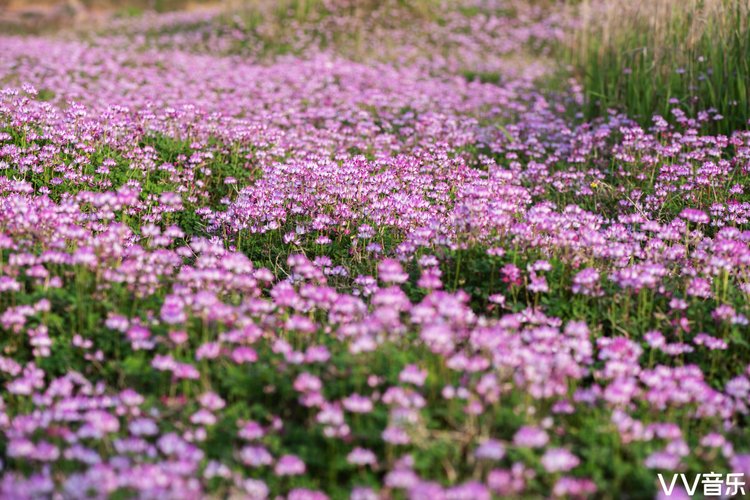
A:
(638, 59)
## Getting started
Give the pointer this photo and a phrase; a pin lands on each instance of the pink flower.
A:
(251, 431)
(255, 456)
(559, 460)
(358, 404)
(530, 437)
(413, 374)
(361, 456)
(305, 382)
(289, 465)
(390, 271)
(490, 449)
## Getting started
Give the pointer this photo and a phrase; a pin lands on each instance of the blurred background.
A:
(23, 16)
(643, 57)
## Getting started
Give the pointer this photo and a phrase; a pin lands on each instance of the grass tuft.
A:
(650, 56)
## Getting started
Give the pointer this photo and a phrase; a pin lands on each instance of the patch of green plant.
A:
(652, 57)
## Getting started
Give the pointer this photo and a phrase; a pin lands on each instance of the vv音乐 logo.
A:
(712, 484)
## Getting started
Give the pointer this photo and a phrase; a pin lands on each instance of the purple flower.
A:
(289, 465)
(390, 271)
(255, 489)
(255, 456)
(559, 460)
(586, 282)
(695, 215)
(357, 404)
(361, 456)
(490, 449)
(412, 374)
(530, 437)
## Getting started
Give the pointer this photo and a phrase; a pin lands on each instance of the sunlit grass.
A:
(647, 56)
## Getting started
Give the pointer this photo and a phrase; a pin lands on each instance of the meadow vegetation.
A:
(647, 57)
(355, 249)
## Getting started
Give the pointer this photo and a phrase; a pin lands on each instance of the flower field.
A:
(361, 250)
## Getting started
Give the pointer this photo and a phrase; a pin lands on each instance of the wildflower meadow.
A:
(423, 250)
